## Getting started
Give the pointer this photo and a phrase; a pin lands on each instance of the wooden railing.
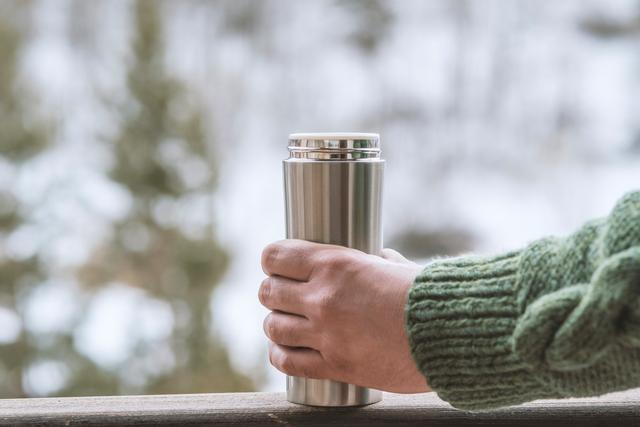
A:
(253, 409)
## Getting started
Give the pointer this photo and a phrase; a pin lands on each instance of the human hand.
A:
(338, 313)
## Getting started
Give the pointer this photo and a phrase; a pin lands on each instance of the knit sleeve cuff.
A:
(460, 316)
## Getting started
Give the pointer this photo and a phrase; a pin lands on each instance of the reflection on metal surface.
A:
(333, 194)
(333, 146)
(309, 391)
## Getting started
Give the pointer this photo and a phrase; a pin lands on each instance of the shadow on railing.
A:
(619, 409)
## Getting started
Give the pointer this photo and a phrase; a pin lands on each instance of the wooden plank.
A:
(619, 409)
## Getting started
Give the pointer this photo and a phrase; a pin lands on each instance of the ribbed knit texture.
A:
(560, 318)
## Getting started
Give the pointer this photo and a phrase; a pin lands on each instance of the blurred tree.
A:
(166, 244)
(20, 140)
(24, 137)
(611, 28)
(244, 17)
(372, 21)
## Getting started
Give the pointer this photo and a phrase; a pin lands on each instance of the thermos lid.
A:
(334, 145)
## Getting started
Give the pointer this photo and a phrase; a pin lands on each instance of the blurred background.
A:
(141, 146)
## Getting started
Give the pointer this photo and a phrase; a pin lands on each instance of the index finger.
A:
(290, 258)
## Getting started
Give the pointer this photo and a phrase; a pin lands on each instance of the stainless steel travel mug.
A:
(333, 194)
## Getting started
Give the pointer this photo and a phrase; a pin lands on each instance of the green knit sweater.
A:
(560, 318)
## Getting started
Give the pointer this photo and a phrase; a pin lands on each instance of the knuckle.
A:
(270, 255)
(288, 366)
(278, 332)
(326, 303)
(265, 291)
(334, 260)
(351, 265)
(337, 261)
(282, 334)
(269, 326)
(272, 357)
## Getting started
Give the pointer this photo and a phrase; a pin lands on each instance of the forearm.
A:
(553, 320)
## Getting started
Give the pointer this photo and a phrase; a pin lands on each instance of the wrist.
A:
(460, 316)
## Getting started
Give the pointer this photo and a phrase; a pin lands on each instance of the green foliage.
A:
(165, 261)
(25, 136)
(163, 159)
(20, 139)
